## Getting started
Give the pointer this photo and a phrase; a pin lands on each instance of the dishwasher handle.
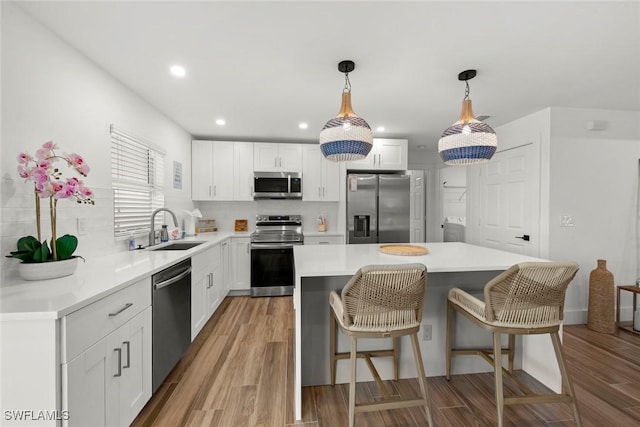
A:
(173, 280)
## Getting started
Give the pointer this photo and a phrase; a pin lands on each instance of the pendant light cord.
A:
(466, 91)
(347, 83)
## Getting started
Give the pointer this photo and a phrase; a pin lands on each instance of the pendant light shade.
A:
(346, 137)
(468, 141)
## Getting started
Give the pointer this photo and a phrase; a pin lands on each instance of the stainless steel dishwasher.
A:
(171, 319)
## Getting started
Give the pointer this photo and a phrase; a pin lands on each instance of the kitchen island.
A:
(320, 269)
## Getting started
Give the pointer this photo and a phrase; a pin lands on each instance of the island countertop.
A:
(342, 260)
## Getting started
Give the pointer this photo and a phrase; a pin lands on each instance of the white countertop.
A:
(343, 260)
(95, 278)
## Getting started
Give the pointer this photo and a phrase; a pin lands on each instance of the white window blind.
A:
(137, 172)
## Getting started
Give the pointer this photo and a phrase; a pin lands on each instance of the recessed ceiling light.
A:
(380, 129)
(303, 125)
(220, 122)
(178, 70)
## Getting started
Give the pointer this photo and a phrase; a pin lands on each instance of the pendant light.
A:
(468, 141)
(346, 137)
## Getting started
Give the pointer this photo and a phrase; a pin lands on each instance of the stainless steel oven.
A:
(272, 254)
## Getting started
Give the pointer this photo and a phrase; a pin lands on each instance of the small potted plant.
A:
(40, 259)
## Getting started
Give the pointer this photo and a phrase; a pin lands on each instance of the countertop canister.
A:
(601, 315)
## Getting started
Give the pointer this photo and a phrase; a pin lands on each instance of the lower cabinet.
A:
(241, 263)
(206, 287)
(109, 383)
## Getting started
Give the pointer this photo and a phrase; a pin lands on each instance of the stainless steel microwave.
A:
(277, 185)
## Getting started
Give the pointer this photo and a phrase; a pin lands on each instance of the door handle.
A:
(525, 237)
(119, 351)
(128, 344)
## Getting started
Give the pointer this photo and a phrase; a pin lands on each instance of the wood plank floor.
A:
(238, 372)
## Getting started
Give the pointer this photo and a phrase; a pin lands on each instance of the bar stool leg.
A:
(417, 355)
(512, 351)
(352, 382)
(332, 346)
(396, 357)
(497, 367)
(449, 339)
(566, 381)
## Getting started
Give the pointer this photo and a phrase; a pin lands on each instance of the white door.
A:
(392, 154)
(243, 171)
(265, 157)
(135, 382)
(201, 170)
(223, 170)
(241, 263)
(510, 201)
(290, 157)
(311, 173)
(86, 386)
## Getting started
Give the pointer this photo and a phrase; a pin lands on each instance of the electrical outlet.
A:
(82, 226)
(426, 332)
(566, 220)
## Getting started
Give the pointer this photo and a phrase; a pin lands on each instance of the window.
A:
(137, 172)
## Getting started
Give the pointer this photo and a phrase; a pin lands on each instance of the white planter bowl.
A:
(47, 270)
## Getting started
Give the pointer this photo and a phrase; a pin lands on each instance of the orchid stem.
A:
(52, 213)
(38, 215)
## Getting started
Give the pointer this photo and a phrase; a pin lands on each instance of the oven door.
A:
(271, 269)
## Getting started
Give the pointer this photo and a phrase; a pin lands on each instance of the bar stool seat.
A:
(380, 301)
(526, 299)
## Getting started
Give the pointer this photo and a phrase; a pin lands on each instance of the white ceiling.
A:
(266, 66)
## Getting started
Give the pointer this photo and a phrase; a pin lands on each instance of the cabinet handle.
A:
(280, 161)
(209, 190)
(127, 305)
(214, 191)
(128, 344)
(209, 280)
(119, 351)
(248, 249)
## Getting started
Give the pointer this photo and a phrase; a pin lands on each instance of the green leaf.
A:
(65, 246)
(28, 244)
(26, 256)
(42, 253)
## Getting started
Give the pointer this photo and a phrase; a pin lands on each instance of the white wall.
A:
(52, 92)
(594, 178)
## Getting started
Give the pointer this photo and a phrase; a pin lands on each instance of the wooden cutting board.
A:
(410, 250)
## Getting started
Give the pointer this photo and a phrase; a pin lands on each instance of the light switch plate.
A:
(82, 226)
(566, 220)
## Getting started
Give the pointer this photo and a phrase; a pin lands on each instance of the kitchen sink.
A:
(177, 246)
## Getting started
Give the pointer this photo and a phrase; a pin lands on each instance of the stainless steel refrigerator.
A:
(378, 208)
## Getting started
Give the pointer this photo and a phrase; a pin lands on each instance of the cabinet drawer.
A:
(205, 261)
(86, 326)
(323, 240)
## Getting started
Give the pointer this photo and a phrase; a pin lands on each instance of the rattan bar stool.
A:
(380, 301)
(526, 299)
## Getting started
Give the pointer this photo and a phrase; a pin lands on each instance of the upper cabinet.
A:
(272, 157)
(221, 170)
(386, 154)
(321, 177)
(243, 168)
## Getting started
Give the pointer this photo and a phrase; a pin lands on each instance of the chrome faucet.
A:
(152, 233)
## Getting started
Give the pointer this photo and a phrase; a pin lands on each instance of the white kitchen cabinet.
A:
(272, 157)
(321, 177)
(201, 170)
(243, 171)
(241, 263)
(324, 240)
(225, 269)
(205, 292)
(106, 369)
(212, 170)
(386, 154)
